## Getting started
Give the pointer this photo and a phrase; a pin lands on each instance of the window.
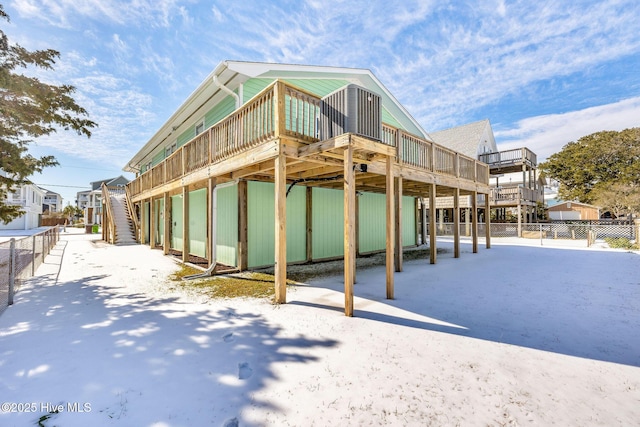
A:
(170, 149)
(200, 127)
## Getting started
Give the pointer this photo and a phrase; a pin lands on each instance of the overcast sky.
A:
(543, 72)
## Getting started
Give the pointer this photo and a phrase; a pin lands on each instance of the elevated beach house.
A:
(515, 183)
(270, 164)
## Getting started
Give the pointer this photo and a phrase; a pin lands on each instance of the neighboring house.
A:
(472, 139)
(261, 164)
(515, 185)
(52, 202)
(90, 201)
(573, 211)
(29, 198)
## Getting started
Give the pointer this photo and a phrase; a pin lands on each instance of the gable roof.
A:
(464, 139)
(95, 185)
(232, 74)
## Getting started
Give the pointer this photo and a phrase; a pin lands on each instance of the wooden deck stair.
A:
(124, 226)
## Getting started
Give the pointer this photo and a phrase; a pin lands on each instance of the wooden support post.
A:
(167, 224)
(390, 209)
(105, 236)
(467, 223)
(432, 224)
(519, 220)
(487, 220)
(280, 179)
(424, 231)
(309, 211)
(456, 223)
(416, 218)
(474, 221)
(349, 230)
(243, 258)
(152, 224)
(143, 223)
(185, 224)
(398, 224)
(211, 221)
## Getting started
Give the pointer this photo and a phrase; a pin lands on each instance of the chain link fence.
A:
(556, 230)
(20, 258)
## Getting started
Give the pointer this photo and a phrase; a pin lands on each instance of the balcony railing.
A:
(515, 195)
(422, 154)
(502, 159)
(282, 110)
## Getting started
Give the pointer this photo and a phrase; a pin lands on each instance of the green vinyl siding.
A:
(388, 119)
(159, 222)
(327, 223)
(261, 224)
(227, 225)
(408, 221)
(219, 112)
(146, 209)
(176, 222)
(319, 87)
(252, 87)
(158, 158)
(372, 222)
(198, 223)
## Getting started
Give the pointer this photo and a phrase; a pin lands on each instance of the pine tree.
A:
(29, 109)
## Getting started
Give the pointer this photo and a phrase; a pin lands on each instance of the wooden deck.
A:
(514, 196)
(283, 119)
(274, 138)
(509, 161)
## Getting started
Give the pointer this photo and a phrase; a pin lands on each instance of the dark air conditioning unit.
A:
(351, 109)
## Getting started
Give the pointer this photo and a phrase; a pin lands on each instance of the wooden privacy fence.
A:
(19, 259)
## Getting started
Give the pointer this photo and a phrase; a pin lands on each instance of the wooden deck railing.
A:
(283, 110)
(422, 154)
(506, 195)
(509, 157)
(108, 220)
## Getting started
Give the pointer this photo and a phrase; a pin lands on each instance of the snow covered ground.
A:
(515, 335)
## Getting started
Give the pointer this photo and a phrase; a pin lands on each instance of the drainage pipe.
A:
(226, 90)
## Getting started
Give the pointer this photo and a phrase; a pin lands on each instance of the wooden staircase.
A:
(118, 226)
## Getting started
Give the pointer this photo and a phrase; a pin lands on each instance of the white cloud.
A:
(69, 13)
(547, 134)
(470, 63)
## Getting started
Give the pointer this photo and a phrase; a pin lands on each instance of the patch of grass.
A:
(235, 285)
(621, 243)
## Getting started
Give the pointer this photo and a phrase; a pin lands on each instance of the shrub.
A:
(621, 243)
